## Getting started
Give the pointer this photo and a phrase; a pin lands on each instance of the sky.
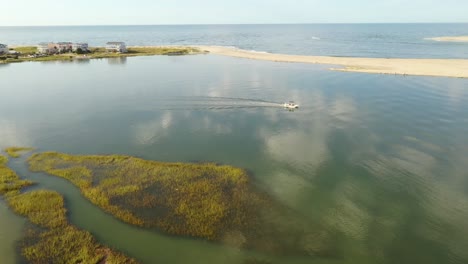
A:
(156, 12)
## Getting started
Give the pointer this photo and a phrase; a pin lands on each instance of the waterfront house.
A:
(64, 46)
(43, 48)
(82, 46)
(3, 49)
(47, 48)
(116, 47)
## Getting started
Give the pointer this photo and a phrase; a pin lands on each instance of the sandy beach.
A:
(425, 67)
(451, 39)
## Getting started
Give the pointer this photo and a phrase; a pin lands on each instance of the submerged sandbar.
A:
(424, 67)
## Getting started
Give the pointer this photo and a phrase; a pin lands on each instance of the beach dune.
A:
(424, 67)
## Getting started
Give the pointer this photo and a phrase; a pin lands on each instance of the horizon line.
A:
(233, 24)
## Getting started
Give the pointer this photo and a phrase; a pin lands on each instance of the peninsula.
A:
(424, 67)
(457, 68)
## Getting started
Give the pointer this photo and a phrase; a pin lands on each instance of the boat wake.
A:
(210, 103)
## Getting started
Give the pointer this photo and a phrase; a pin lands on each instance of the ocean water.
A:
(379, 160)
(349, 40)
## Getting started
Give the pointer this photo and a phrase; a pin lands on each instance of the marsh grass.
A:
(10, 183)
(16, 152)
(209, 201)
(49, 237)
(52, 239)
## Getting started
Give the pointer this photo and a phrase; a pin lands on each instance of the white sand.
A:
(426, 67)
(451, 39)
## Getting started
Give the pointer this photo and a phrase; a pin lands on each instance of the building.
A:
(82, 46)
(116, 47)
(64, 46)
(43, 48)
(3, 49)
(47, 48)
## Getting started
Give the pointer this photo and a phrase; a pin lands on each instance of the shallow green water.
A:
(379, 160)
(10, 233)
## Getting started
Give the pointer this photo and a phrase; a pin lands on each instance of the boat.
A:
(291, 105)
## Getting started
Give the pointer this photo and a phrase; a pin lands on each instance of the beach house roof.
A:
(64, 43)
(115, 43)
(3, 46)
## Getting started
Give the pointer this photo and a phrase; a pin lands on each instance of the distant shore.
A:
(30, 53)
(425, 67)
(457, 68)
(451, 39)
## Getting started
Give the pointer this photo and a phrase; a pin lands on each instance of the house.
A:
(116, 47)
(82, 46)
(64, 46)
(43, 48)
(3, 49)
(48, 48)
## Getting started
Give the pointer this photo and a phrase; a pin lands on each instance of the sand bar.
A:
(425, 67)
(451, 39)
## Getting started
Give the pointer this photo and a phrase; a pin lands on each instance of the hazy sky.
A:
(118, 12)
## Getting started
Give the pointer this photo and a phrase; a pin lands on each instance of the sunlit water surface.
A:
(379, 160)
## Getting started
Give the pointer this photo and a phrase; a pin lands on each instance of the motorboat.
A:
(291, 105)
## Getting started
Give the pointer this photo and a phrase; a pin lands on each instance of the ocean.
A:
(348, 40)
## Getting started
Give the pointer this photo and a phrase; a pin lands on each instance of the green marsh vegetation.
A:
(16, 152)
(10, 183)
(205, 201)
(49, 238)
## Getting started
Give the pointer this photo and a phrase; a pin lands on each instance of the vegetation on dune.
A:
(49, 237)
(143, 51)
(16, 152)
(96, 53)
(26, 50)
(208, 201)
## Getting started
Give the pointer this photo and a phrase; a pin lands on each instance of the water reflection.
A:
(82, 60)
(11, 134)
(117, 60)
(151, 131)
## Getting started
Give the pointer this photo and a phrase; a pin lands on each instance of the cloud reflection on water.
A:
(13, 135)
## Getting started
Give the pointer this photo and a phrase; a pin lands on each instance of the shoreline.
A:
(450, 39)
(29, 53)
(457, 68)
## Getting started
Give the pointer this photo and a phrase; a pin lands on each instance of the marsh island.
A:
(49, 237)
(207, 201)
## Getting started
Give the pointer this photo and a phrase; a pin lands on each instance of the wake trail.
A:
(203, 103)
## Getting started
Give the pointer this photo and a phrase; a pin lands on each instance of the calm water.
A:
(366, 40)
(380, 160)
